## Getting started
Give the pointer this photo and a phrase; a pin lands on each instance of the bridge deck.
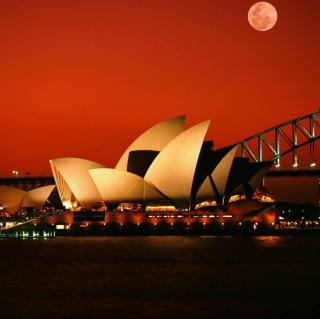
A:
(301, 172)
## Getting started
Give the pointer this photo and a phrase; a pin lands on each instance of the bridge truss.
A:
(283, 139)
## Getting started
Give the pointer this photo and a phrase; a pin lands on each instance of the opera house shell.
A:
(12, 199)
(166, 166)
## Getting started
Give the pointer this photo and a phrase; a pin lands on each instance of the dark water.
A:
(160, 277)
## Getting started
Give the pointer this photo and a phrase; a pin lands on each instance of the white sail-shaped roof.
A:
(37, 197)
(74, 182)
(221, 172)
(206, 191)
(116, 186)
(11, 198)
(155, 138)
(173, 170)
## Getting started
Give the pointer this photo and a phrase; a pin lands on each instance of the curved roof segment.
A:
(206, 191)
(261, 169)
(173, 170)
(116, 186)
(11, 198)
(37, 197)
(215, 185)
(74, 182)
(221, 172)
(246, 177)
(155, 138)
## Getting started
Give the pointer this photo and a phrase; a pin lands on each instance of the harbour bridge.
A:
(285, 140)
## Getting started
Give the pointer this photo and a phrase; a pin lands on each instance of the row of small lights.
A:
(295, 223)
(35, 234)
(194, 216)
(155, 224)
(289, 211)
(302, 218)
(295, 165)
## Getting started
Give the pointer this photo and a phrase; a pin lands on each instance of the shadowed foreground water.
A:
(160, 277)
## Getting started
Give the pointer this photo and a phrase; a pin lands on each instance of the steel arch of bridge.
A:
(307, 130)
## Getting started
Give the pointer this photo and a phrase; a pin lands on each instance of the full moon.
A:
(262, 16)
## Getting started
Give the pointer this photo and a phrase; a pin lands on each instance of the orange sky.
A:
(84, 78)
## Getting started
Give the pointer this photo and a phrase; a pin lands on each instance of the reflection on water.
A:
(159, 277)
(268, 240)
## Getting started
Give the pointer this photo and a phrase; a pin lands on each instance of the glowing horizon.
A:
(78, 80)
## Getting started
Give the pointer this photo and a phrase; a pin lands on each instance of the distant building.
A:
(12, 199)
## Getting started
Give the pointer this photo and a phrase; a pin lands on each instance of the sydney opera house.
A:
(168, 168)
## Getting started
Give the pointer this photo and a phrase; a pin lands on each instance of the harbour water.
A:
(160, 277)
